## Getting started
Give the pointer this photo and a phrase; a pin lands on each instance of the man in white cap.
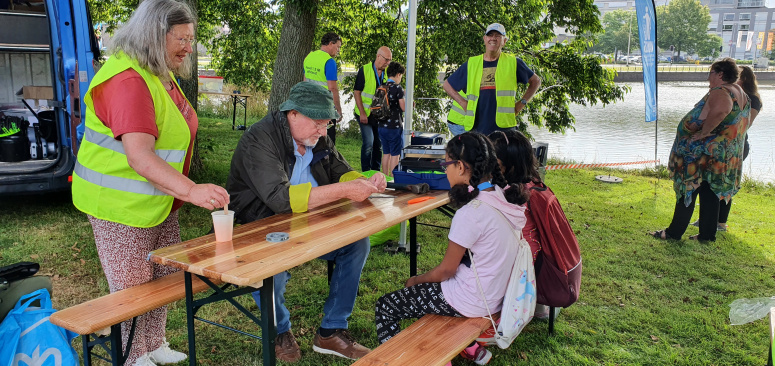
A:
(484, 89)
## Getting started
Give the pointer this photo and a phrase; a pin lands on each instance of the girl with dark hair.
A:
(519, 165)
(486, 200)
(750, 86)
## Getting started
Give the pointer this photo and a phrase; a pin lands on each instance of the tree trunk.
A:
(190, 89)
(296, 40)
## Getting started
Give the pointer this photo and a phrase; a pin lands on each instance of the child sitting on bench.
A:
(451, 289)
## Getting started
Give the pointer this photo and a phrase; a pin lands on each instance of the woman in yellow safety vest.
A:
(131, 174)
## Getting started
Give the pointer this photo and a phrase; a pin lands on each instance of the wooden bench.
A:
(433, 340)
(109, 311)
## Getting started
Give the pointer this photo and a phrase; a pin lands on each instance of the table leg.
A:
(245, 115)
(190, 320)
(413, 246)
(233, 111)
(268, 326)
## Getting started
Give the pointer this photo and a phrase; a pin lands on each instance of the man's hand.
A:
(518, 107)
(360, 189)
(379, 181)
(363, 119)
(411, 281)
(464, 105)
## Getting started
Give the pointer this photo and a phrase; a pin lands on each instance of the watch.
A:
(523, 101)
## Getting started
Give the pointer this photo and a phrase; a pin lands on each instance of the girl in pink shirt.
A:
(484, 198)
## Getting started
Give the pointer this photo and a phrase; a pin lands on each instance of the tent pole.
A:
(409, 94)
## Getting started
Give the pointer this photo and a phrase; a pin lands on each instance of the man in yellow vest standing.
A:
(370, 76)
(320, 68)
(484, 89)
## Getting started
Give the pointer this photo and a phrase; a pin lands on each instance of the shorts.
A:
(392, 140)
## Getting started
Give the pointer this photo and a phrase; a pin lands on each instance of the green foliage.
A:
(710, 46)
(243, 39)
(642, 302)
(621, 30)
(683, 24)
(243, 50)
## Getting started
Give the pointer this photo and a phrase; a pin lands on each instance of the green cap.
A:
(311, 100)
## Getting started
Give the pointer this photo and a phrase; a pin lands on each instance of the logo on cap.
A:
(496, 27)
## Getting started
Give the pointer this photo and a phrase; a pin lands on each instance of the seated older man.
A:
(286, 163)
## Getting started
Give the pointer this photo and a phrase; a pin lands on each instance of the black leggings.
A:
(408, 303)
(709, 214)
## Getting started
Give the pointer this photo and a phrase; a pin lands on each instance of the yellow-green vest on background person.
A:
(369, 88)
(315, 67)
(505, 92)
(455, 114)
(104, 185)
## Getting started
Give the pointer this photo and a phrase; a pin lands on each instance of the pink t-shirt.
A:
(125, 105)
(480, 228)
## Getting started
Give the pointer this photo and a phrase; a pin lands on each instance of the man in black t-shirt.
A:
(369, 77)
(492, 112)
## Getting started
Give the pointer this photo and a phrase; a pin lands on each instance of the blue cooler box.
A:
(435, 181)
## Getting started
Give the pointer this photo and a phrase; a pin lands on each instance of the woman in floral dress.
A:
(707, 155)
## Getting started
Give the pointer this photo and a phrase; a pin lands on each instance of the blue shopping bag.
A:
(28, 338)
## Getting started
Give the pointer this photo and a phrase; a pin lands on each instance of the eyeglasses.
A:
(386, 59)
(445, 164)
(326, 126)
(183, 41)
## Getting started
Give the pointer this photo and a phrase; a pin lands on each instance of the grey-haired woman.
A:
(131, 176)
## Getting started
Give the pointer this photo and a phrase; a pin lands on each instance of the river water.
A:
(617, 133)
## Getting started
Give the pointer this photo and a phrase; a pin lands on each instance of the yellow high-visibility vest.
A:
(505, 92)
(369, 87)
(104, 185)
(315, 67)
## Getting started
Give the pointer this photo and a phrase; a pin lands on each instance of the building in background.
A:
(745, 26)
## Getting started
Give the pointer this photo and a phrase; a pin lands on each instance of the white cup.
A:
(224, 225)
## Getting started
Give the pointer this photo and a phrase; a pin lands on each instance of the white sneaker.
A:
(164, 355)
(144, 360)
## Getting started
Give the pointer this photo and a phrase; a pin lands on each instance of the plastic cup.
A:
(224, 225)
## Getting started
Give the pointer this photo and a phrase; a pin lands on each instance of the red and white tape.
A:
(581, 166)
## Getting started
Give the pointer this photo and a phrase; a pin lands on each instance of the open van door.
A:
(46, 63)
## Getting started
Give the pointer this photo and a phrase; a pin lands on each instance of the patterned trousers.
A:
(123, 252)
(407, 303)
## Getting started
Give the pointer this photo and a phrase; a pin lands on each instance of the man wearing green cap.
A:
(286, 163)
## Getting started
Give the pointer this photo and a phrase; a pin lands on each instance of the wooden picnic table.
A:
(250, 261)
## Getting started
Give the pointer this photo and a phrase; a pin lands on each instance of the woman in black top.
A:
(748, 82)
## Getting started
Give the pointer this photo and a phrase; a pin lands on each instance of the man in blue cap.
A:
(484, 89)
(286, 163)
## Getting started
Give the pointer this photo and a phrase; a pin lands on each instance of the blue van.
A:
(47, 48)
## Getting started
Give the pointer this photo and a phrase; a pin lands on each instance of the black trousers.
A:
(709, 214)
(408, 303)
(331, 132)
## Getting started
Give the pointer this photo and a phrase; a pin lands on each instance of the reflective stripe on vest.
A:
(315, 67)
(505, 92)
(369, 88)
(108, 142)
(104, 185)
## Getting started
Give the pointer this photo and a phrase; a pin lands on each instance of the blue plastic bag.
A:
(28, 338)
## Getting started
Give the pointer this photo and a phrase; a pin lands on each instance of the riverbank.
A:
(643, 301)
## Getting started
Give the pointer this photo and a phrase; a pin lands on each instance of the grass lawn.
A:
(643, 301)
